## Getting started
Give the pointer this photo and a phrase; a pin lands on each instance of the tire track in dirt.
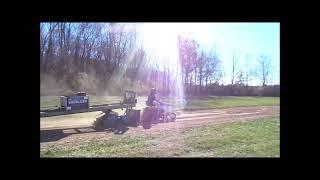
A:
(81, 121)
(78, 136)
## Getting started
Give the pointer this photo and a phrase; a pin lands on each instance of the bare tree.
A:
(234, 67)
(249, 73)
(240, 78)
(201, 64)
(187, 56)
(50, 47)
(212, 68)
(136, 64)
(263, 69)
(43, 40)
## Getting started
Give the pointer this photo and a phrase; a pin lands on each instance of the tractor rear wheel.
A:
(148, 116)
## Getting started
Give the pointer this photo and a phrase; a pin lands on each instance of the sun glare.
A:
(161, 38)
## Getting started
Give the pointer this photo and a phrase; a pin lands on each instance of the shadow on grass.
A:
(56, 134)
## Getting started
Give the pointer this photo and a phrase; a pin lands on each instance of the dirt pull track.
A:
(217, 116)
(69, 130)
(85, 120)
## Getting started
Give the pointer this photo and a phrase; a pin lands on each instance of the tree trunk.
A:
(190, 84)
(186, 82)
(206, 84)
(195, 81)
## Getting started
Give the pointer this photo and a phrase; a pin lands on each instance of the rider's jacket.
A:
(151, 99)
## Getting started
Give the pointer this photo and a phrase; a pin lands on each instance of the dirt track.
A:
(76, 129)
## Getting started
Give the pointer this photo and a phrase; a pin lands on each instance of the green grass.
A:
(47, 102)
(131, 147)
(231, 101)
(258, 138)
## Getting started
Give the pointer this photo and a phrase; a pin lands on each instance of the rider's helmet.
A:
(153, 91)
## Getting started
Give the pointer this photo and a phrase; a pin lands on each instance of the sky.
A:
(247, 40)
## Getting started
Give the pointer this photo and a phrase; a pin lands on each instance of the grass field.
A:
(48, 102)
(258, 138)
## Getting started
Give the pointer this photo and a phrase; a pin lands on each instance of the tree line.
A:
(105, 57)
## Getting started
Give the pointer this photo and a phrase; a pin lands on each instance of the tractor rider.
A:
(152, 101)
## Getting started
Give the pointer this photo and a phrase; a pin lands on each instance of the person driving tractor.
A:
(152, 100)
